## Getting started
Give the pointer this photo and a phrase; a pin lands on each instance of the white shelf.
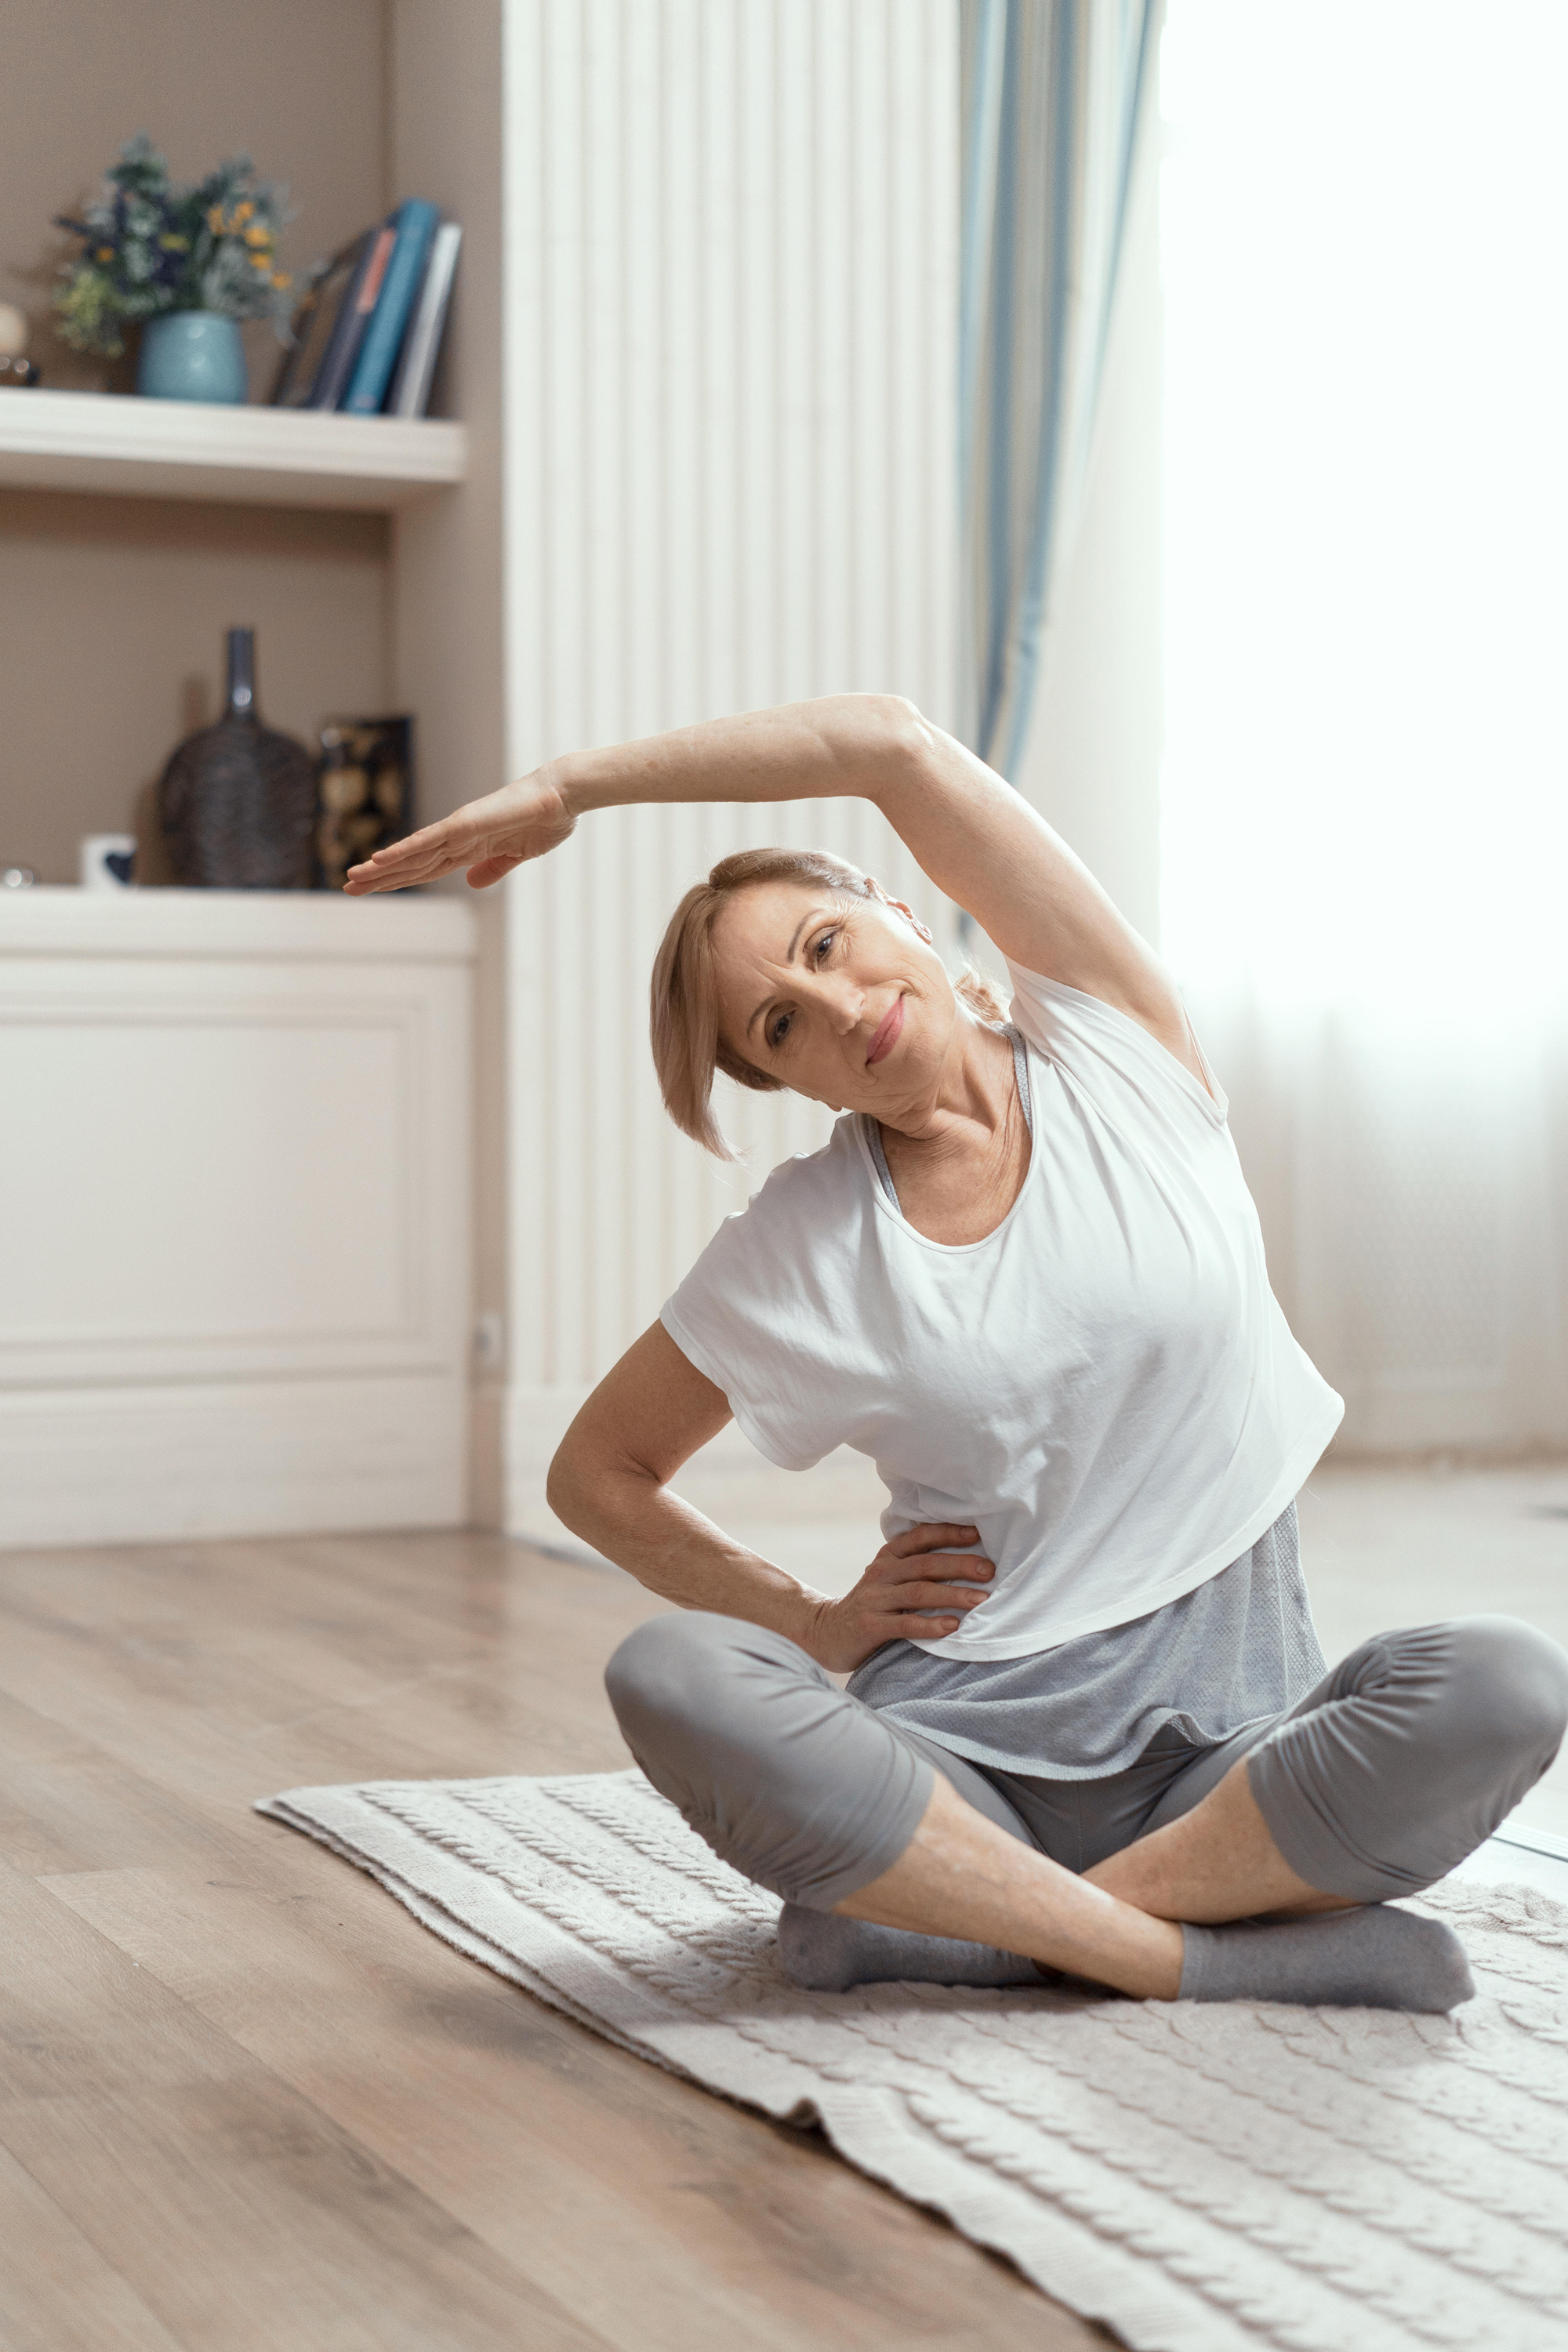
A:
(250, 926)
(191, 449)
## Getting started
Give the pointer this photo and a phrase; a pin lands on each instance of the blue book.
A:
(414, 223)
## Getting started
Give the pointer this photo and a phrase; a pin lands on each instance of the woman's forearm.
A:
(842, 745)
(668, 1545)
(975, 837)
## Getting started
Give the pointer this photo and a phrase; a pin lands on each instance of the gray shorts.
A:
(1400, 1761)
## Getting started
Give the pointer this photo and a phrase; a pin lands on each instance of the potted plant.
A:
(187, 263)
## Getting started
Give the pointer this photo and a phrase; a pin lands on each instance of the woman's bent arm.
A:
(608, 1483)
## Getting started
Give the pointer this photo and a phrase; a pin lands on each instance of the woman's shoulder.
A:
(806, 1207)
(1106, 1052)
(793, 1238)
(812, 1184)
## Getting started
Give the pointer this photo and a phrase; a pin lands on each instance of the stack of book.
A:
(367, 332)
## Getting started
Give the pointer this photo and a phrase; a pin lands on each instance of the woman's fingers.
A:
(893, 1568)
(422, 857)
(489, 836)
(931, 1536)
(942, 1599)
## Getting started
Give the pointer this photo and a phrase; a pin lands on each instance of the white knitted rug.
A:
(1203, 2178)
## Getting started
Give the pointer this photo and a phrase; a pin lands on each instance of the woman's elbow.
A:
(591, 1487)
(565, 1486)
(901, 739)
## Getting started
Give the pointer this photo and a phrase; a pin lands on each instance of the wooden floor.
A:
(246, 2102)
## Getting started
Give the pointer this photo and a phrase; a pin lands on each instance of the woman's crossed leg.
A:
(895, 1859)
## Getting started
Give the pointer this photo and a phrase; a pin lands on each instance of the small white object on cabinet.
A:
(108, 861)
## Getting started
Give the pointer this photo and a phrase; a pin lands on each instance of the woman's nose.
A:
(844, 1003)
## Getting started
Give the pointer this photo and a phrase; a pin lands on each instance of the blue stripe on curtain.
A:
(1052, 96)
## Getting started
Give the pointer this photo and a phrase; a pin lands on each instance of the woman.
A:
(1089, 1727)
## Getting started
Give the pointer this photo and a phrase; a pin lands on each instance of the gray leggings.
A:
(1391, 1770)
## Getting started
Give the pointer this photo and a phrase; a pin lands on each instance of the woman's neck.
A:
(975, 1096)
(958, 1167)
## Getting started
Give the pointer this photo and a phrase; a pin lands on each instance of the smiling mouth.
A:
(888, 1029)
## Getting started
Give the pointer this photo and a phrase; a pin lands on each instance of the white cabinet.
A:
(234, 1213)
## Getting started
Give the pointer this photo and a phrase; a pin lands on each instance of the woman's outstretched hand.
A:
(903, 1595)
(489, 836)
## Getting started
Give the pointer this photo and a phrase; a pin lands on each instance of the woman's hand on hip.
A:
(905, 1594)
(489, 836)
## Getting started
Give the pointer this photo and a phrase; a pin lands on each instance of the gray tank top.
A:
(1241, 1647)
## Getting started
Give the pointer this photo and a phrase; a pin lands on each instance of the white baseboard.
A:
(153, 1463)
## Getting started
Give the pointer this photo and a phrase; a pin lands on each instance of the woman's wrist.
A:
(560, 776)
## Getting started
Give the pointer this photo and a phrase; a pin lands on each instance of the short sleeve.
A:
(761, 1313)
(708, 1341)
(1106, 1052)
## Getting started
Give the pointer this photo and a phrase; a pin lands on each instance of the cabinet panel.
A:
(234, 1193)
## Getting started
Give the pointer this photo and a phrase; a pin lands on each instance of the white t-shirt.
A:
(1105, 1386)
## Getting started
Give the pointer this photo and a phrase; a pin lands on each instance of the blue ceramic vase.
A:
(192, 356)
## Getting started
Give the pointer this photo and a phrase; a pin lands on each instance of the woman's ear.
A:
(900, 906)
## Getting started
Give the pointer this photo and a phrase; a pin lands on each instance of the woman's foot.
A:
(1375, 1958)
(827, 1952)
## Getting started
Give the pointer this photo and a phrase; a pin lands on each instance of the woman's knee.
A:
(692, 1667)
(1508, 1684)
(788, 1779)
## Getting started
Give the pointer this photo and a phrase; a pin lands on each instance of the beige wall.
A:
(112, 610)
(299, 85)
(111, 620)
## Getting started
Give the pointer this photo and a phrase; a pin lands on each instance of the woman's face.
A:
(843, 999)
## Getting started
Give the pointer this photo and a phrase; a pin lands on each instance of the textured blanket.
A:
(1201, 2177)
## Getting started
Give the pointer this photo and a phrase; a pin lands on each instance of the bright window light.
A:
(1364, 214)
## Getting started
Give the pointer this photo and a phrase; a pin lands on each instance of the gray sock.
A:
(1375, 1958)
(829, 1952)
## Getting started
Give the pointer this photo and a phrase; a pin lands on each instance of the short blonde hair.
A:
(683, 998)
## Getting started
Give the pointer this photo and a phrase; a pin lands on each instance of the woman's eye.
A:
(779, 1030)
(824, 944)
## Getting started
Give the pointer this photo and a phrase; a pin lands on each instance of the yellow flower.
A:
(259, 236)
(282, 278)
(242, 213)
(263, 262)
(104, 253)
(215, 219)
(175, 244)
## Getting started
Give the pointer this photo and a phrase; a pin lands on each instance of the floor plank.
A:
(276, 2111)
(58, 2293)
(230, 2204)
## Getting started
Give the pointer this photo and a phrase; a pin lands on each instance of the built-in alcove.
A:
(367, 555)
(113, 646)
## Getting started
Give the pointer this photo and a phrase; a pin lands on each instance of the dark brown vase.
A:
(238, 802)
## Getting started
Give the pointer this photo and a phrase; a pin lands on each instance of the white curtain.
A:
(1365, 818)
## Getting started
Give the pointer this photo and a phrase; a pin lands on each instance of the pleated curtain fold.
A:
(1053, 95)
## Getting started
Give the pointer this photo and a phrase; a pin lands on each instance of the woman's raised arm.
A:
(972, 834)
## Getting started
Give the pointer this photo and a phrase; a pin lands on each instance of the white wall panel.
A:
(731, 230)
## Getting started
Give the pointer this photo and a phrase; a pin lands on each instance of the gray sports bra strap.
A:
(1020, 1073)
(874, 1138)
